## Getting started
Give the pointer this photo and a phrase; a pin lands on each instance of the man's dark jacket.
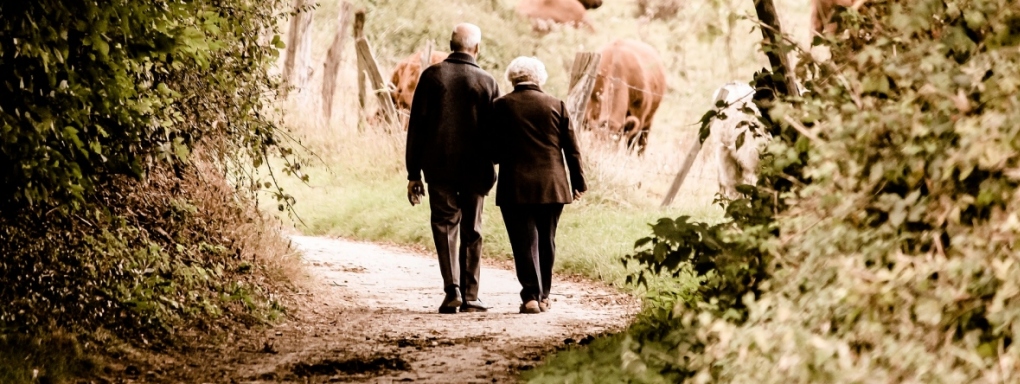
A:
(450, 125)
(532, 136)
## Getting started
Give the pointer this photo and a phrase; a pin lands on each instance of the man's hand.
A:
(415, 190)
(578, 194)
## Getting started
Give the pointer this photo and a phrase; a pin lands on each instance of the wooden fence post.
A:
(359, 27)
(582, 81)
(685, 168)
(334, 56)
(297, 64)
(375, 78)
(426, 55)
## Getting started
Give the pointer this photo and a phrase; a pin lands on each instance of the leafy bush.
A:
(597, 362)
(92, 91)
(120, 125)
(880, 243)
(159, 252)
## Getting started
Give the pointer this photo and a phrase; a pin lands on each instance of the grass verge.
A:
(365, 199)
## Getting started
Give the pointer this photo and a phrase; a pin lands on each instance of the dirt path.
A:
(370, 316)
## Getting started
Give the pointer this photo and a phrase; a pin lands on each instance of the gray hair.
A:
(465, 37)
(525, 68)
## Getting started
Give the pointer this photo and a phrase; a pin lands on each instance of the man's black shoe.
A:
(474, 306)
(450, 304)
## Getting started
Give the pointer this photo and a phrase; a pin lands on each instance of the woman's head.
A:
(526, 69)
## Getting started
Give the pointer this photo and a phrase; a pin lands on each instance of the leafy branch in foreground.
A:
(128, 132)
(880, 243)
(90, 92)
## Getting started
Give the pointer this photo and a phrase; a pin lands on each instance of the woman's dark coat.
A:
(531, 137)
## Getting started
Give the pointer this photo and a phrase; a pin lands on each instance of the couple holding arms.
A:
(459, 128)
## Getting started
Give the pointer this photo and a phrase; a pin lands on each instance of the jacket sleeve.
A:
(498, 134)
(489, 123)
(568, 143)
(418, 128)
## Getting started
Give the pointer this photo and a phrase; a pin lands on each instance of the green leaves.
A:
(884, 249)
(106, 111)
(127, 85)
(876, 83)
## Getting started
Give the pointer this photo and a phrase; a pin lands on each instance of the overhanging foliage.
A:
(94, 89)
(128, 130)
(891, 255)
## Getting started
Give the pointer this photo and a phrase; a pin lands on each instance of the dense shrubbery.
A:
(881, 242)
(92, 91)
(168, 249)
(119, 124)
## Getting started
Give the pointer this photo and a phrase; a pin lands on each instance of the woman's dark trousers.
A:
(532, 232)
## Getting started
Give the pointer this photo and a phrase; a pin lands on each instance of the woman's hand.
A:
(578, 194)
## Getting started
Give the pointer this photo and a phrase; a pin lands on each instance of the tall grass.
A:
(357, 186)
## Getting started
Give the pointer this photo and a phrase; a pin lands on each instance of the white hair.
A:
(465, 37)
(525, 68)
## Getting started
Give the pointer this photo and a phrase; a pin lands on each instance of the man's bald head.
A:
(466, 38)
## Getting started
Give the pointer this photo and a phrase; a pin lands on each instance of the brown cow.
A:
(545, 13)
(822, 12)
(628, 89)
(405, 78)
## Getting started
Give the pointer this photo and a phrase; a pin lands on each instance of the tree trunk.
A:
(333, 59)
(774, 47)
(359, 26)
(296, 66)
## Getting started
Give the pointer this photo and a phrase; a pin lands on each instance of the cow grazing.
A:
(405, 78)
(823, 11)
(736, 165)
(546, 13)
(628, 89)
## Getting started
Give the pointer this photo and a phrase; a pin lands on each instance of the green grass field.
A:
(367, 200)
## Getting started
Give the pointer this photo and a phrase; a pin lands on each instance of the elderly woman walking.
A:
(531, 137)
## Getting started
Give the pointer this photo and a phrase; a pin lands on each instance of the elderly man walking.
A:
(447, 134)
